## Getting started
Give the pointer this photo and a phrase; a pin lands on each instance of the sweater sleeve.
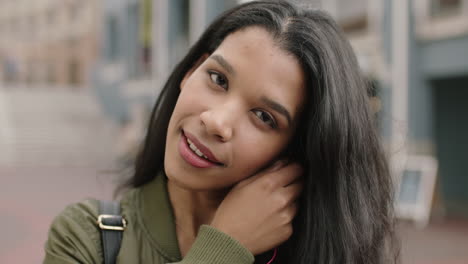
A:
(74, 236)
(213, 246)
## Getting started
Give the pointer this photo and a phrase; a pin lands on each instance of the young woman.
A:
(261, 145)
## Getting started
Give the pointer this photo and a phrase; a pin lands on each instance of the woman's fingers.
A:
(285, 175)
(292, 191)
(258, 211)
(274, 167)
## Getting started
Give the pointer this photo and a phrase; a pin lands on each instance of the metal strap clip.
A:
(111, 227)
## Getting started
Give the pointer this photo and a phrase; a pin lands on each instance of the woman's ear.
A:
(195, 66)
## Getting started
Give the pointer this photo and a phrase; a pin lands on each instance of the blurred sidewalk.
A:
(55, 148)
(444, 242)
(52, 127)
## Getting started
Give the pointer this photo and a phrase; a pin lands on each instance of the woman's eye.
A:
(265, 118)
(218, 79)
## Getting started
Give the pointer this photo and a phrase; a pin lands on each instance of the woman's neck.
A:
(191, 210)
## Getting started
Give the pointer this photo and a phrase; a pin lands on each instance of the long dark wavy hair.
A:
(346, 210)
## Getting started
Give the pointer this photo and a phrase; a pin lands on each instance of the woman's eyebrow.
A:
(223, 62)
(278, 108)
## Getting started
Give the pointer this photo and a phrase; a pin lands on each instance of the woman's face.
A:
(236, 112)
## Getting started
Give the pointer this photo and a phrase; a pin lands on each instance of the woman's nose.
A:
(218, 123)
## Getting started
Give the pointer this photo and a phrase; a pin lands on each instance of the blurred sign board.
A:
(416, 188)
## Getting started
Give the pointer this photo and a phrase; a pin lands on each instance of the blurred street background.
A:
(78, 79)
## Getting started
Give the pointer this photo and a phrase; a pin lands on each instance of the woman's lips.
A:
(190, 157)
(205, 150)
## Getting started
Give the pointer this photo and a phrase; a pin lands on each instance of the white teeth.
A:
(195, 149)
(199, 153)
(192, 146)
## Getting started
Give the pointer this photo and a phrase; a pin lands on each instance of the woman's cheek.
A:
(191, 98)
(257, 154)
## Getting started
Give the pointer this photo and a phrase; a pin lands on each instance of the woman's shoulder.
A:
(86, 212)
(85, 209)
(81, 215)
(74, 235)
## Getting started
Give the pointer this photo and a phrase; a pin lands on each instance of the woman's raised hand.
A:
(259, 210)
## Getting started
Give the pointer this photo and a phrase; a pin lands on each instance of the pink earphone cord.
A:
(274, 256)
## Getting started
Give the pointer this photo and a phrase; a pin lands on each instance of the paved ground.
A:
(31, 197)
(55, 149)
(53, 128)
(445, 242)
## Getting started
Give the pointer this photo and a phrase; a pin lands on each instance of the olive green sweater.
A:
(150, 236)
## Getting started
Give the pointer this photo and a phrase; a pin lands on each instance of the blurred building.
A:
(48, 42)
(437, 93)
(414, 52)
(142, 41)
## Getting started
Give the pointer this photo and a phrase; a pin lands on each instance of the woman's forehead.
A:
(252, 59)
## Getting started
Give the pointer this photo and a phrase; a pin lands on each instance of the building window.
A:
(29, 72)
(32, 27)
(51, 17)
(216, 7)
(74, 11)
(73, 43)
(352, 15)
(356, 24)
(74, 72)
(113, 39)
(178, 30)
(14, 26)
(10, 69)
(51, 73)
(144, 25)
(445, 7)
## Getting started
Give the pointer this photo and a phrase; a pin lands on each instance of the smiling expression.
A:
(236, 112)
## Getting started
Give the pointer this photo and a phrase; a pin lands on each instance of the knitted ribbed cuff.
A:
(214, 246)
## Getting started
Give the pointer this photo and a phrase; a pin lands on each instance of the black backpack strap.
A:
(112, 225)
